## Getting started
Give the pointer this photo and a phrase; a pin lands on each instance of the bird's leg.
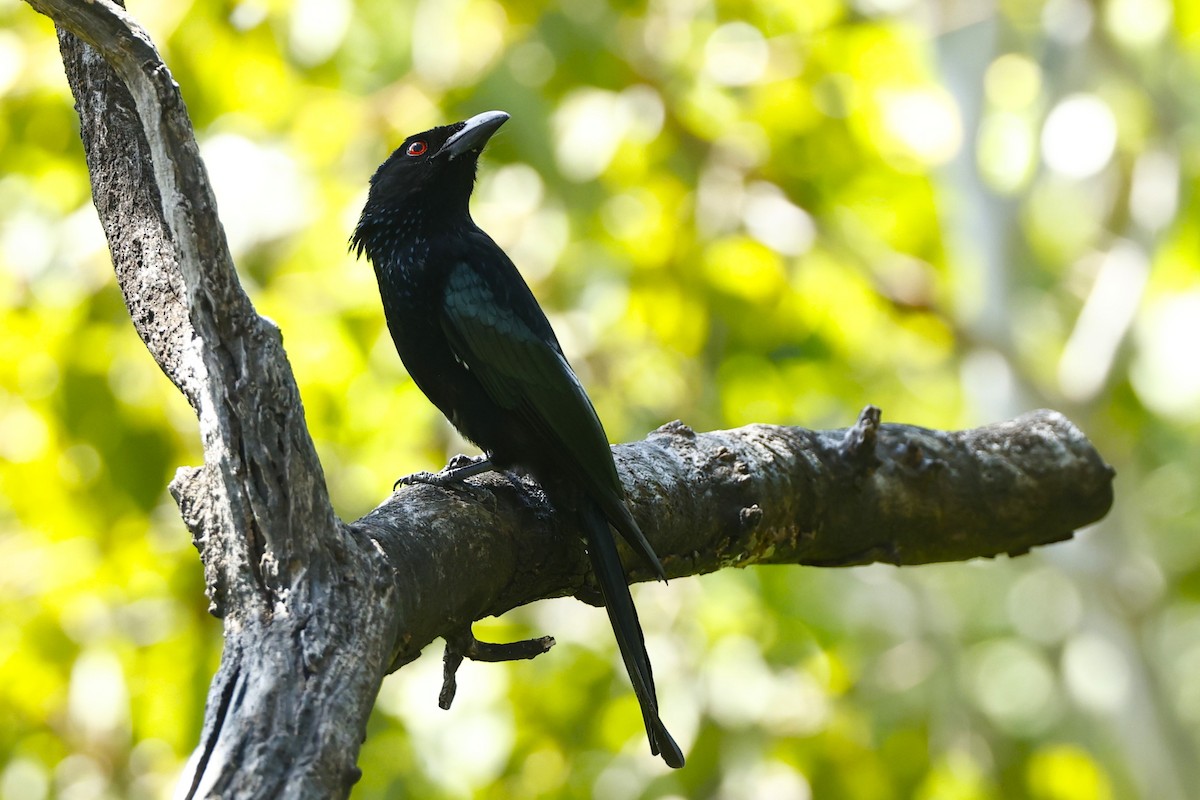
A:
(458, 470)
(463, 644)
(463, 466)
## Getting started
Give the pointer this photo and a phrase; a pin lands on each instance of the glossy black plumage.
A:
(475, 341)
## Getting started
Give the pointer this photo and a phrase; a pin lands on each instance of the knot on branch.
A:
(859, 444)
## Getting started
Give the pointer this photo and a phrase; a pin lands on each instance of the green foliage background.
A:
(775, 211)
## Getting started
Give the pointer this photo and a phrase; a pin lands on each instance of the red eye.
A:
(416, 149)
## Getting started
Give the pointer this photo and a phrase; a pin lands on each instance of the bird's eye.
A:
(416, 149)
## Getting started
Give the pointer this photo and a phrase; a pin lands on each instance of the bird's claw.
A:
(441, 479)
(456, 472)
(453, 476)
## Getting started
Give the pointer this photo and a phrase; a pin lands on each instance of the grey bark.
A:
(316, 611)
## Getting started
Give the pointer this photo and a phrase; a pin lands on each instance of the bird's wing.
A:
(498, 331)
(501, 335)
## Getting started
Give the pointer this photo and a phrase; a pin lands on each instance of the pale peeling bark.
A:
(316, 612)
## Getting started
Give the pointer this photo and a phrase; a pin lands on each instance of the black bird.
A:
(475, 341)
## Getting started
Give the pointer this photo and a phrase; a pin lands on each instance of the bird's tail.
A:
(610, 575)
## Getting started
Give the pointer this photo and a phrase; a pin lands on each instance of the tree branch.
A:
(762, 494)
(316, 612)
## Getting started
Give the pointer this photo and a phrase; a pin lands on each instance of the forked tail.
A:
(610, 575)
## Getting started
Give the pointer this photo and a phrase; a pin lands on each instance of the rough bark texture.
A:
(317, 612)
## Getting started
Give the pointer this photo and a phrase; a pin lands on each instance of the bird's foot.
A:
(431, 478)
(456, 472)
(464, 466)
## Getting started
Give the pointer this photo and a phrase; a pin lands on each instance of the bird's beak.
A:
(474, 134)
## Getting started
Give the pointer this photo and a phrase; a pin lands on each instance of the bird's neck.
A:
(400, 233)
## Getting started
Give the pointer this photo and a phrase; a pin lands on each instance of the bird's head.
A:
(429, 177)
